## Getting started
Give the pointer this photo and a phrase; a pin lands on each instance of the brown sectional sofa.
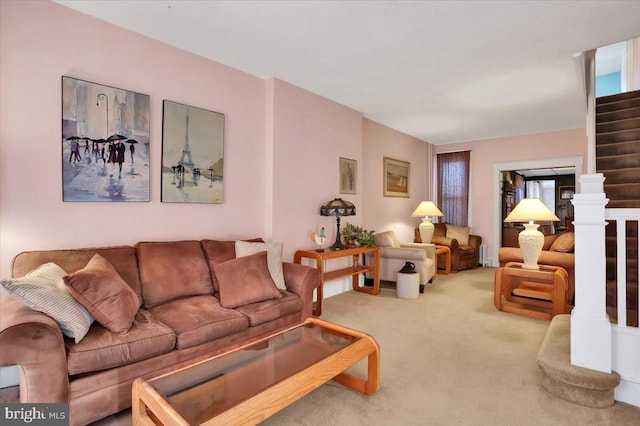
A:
(180, 320)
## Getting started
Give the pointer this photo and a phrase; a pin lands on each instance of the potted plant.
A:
(365, 238)
(350, 233)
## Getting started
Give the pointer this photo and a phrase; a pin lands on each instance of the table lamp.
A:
(530, 239)
(426, 209)
(338, 207)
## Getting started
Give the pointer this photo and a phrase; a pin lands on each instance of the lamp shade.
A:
(530, 240)
(531, 209)
(426, 208)
(338, 207)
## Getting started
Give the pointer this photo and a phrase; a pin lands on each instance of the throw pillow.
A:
(274, 258)
(101, 290)
(564, 243)
(460, 233)
(43, 290)
(245, 280)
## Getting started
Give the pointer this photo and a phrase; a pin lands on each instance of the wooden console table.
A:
(535, 293)
(352, 271)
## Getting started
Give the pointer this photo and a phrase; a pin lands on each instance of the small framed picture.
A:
(396, 177)
(566, 192)
(348, 170)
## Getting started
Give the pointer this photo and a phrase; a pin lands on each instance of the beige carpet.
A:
(447, 358)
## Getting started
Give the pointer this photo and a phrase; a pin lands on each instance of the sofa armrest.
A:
(33, 341)
(402, 253)
(452, 243)
(475, 241)
(302, 280)
(429, 248)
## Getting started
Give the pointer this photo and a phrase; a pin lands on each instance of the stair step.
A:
(623, 191)
(617, 97)
(617, 105)
(624, 161)
(619, 148)
(619, 204)
(612, 126)
(619, 175)
(618, 136)
(621, 114)
(579, 385)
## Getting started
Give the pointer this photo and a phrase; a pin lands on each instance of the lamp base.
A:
(531, 241)
(426, 229)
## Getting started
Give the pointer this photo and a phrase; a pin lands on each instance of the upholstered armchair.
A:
(463, 256)
(394, 254)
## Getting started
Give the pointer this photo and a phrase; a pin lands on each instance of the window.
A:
(453, 186)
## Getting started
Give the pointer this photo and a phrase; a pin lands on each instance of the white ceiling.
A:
(442, 71)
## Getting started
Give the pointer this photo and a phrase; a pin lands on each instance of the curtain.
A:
(453, 186)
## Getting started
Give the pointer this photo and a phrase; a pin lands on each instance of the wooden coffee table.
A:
(249, 384)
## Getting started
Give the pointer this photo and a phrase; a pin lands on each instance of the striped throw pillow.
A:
(43, 290)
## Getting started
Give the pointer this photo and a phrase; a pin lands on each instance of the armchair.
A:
(394, 254)
(463, 256)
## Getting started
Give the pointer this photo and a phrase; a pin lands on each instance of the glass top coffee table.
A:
(251, 383)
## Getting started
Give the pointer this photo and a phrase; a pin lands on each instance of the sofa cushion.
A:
(466, 250)
(43, 290)
(106, 296)
(169, 270)
(460, 233)
(245, 280)
(386, 239)
(102, 349)
(123, 259)
(199, 319)
(439, 230)
(563, 243)
(274, 258)
(221, 251)
(261, 312)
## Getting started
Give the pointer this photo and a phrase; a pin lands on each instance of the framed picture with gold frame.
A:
(396, 175)
(348, 175)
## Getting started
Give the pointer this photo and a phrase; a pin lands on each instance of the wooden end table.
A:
(249, 384)
(535, 293)
(353, 271)
(446, 251)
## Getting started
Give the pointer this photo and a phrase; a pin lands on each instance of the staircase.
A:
(618, 159)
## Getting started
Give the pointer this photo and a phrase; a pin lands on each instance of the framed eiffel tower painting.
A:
(192, 154)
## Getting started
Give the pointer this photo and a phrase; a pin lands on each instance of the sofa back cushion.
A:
(123, 259)
(440, 229)
(221, 251)
(386, 239)
(460, 233)
(169, 270)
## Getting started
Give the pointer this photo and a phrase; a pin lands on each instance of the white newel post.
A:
(590, 326)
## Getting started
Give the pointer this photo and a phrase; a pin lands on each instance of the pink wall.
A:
(393, 213)
(486, 153)
(310, 134)
(42, 41)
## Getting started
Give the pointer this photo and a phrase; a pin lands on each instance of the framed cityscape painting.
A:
(105, 143)
(192, 154)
